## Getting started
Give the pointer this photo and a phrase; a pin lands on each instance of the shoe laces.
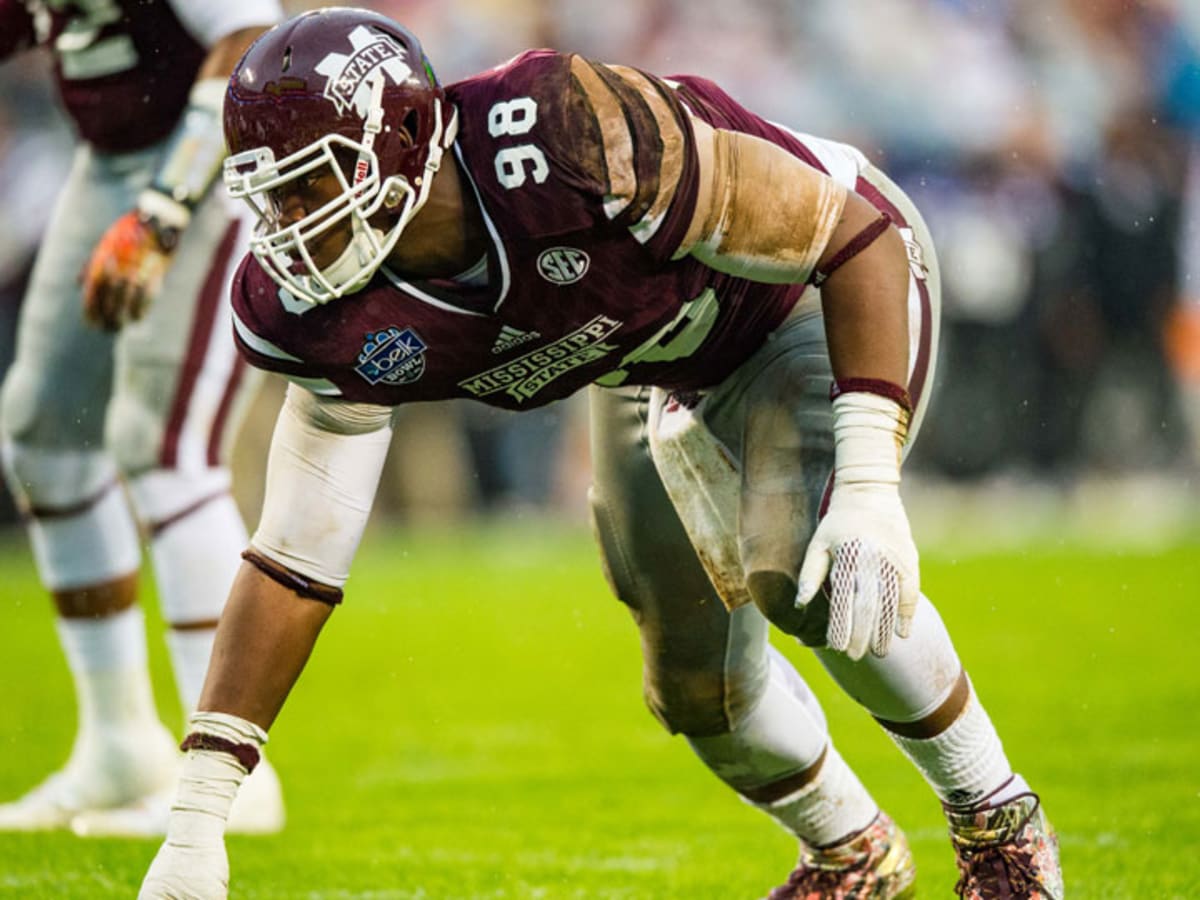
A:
(998, 871)
(830, 872)
(825, 882)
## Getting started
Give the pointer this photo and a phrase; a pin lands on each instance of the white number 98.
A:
(515, 164)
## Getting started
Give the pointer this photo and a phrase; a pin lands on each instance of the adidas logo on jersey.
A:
(512, 337)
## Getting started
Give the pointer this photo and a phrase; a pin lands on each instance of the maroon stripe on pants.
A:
(216, 436)
(916, 384)
(202, 327)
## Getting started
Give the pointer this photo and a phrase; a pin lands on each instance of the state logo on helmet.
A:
(344, 95)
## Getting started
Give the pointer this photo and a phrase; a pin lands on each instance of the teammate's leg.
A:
(179, 394)
(84, 539)
(709, 674)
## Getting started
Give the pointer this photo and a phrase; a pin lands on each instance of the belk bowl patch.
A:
(392, 356)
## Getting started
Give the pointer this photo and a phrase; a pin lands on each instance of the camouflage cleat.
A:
(874, 864)
(1006, 851)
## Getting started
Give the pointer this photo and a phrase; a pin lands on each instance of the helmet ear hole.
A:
(409, 127)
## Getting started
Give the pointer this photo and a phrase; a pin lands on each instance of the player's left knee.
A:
(774, 594)
(162, 495)
(133, 436)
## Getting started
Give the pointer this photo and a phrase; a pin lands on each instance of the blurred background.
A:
(1053, 145)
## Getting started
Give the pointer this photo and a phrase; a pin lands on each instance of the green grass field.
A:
(471, 727)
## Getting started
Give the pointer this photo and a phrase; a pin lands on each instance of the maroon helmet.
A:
(346, 90)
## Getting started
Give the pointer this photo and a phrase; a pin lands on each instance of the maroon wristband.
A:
(878, 386)
(293, 581)
(246, 754)
(851, 249)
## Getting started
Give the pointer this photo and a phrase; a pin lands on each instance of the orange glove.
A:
(126, 270)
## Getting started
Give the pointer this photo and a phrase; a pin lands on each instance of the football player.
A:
(126, 389)
(554, 224)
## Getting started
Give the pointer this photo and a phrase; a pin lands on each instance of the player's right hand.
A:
(125, 271)
(864, 545)
(184, 872)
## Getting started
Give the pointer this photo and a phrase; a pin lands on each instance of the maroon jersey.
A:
(587, 178)
(123, 67)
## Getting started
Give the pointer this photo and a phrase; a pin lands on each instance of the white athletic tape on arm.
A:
(324, 466)
(869, 431)
(192, 861)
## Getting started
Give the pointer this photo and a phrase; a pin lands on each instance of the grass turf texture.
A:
(471, 727)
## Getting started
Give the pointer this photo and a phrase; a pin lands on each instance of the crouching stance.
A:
(712, 276)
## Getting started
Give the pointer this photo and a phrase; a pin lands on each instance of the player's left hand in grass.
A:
(192, 863)
(127, 266)
(864, 545)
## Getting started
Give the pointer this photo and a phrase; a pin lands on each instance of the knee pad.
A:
(80, 526)
(781, 734)
(703, 687)
(196, 539)
(913, 680)
(161, 495)
(49, 480)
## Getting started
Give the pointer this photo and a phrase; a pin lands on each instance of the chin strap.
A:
(372, 125)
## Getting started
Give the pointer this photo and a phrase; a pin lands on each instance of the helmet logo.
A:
(351, 75)
(562, 265)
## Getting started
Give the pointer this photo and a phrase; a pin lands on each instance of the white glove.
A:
(864, 544)
(192, 863)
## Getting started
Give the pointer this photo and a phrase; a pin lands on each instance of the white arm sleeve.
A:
(211, 20)
(322, 472)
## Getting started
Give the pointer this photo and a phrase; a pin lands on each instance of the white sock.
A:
(107, 659)
(190, 652)
(828, 809)
(966, 762)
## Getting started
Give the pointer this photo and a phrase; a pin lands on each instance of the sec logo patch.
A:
(562, 265)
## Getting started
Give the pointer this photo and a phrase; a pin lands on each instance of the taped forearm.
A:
(869, 434)
(324, 466)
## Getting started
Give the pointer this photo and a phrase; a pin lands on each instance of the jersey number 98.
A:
(515, 164)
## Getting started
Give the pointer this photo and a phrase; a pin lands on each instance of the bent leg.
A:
(179, 394)
(709, 674)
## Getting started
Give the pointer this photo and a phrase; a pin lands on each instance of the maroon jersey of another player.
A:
(123, 67)
(587, 178)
